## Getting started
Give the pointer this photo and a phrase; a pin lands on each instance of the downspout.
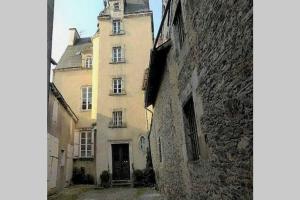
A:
(149, 134)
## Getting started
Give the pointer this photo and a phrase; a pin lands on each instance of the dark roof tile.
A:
(72, 55)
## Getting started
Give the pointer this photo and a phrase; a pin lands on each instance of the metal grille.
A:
(159, 149)
(192, 129)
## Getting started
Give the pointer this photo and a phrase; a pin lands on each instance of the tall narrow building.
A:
(121, 51)
(101, 78)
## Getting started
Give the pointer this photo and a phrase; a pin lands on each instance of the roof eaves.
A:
(61, 99)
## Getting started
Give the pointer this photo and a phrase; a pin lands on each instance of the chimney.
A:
(73, 36)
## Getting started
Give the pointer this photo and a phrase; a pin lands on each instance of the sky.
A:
(82, 14)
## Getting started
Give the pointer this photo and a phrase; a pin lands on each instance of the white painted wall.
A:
(52, 161)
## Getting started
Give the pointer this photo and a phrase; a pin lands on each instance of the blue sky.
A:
(82, 14)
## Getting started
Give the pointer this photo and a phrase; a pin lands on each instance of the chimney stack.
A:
(73, 36)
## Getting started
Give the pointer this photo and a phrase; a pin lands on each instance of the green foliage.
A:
(138, 178)
(149, 177)
(105, 179)
(79, 177)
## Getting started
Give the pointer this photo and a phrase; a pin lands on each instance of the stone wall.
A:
(215, 66)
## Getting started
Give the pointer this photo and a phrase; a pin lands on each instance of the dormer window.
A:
(88, 62)
(116, 6)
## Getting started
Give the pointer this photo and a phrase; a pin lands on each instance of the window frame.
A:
(160, 150)
(191, 132)
(118, 7)
(117, 118)
(87, 98)
(118, 85)
(179, 25)
(86, 144)
(116, 26)
(143, 149)
(88, 62)
(117, 54)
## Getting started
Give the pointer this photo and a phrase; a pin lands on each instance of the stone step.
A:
(121, 183)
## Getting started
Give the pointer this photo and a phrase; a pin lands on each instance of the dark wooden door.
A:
(120, 162)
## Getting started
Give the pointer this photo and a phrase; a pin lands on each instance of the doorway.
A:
(120, 162)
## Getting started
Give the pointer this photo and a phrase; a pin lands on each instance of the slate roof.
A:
(72, 55)
(132, 6)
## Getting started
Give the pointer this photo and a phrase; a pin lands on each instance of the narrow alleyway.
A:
(121, 194)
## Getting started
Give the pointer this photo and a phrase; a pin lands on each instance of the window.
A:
(86, 97)
(116, 6)
(117, 118)
(143, 144)
(117, 54)
(178, 23)
(117, 85)
(62, 158)
(191, 130)
(88, 62)
(116, 26)
(86, 144)
(159, 150)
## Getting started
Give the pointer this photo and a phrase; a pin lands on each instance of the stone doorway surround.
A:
(129, 142)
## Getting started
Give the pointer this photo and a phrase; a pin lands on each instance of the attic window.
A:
(88, 62)
(116, 6)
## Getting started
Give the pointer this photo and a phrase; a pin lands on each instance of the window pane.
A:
(83, 105)
(82, 140)
(84, 92)
(89, 153)
(89, 147)
(83, 135)
(83, 154)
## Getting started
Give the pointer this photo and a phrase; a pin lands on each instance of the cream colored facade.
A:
(136, 41)
(70, 82)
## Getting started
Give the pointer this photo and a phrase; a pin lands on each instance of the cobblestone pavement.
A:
(121, 194)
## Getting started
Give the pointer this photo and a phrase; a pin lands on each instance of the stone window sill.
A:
(114, 126)
(117, 62)
(117, 94)
(85, 159)
(116, 34)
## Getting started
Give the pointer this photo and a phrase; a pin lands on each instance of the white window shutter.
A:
(122, 84)
(93, 143)
(76, 143)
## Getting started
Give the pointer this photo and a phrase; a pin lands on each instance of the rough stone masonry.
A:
(215, 66)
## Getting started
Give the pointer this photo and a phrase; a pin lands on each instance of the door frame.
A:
(129, 142)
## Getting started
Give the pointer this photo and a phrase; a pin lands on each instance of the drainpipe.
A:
(149, 134)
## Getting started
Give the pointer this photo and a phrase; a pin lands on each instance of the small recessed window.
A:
(178, 24)
(143, 144)
(88, 62)
(116, 6)
(62, 158)
(159, 149)
(192, 140)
